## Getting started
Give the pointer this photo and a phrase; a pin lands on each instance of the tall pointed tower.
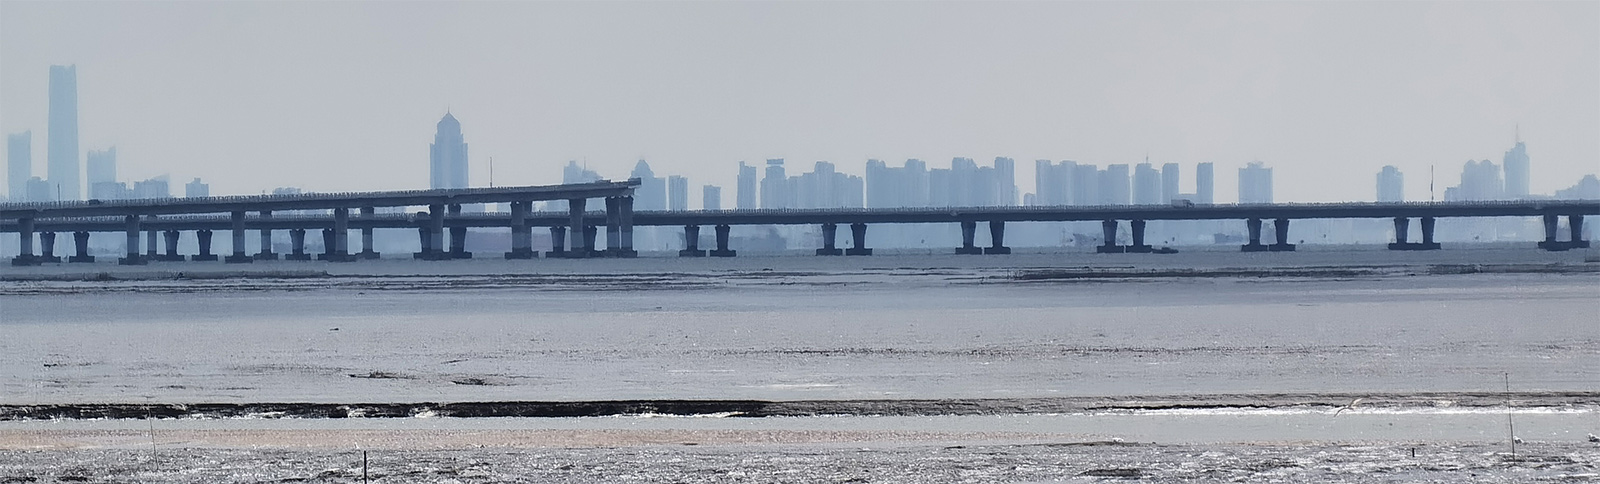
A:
(447, 166)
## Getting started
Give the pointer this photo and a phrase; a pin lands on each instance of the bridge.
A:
(172, 217)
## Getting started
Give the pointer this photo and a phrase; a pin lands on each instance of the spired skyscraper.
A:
(447, 166)
(64, 175)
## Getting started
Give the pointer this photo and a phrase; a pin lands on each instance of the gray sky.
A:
(344, 95)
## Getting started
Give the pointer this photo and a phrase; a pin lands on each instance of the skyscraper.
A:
(1146, 184)
(196, 188)
(1114, 188)
(1516, 167)
(102, 167)
(1391, 185)
(745, 198)
(1255, 183)
(1169, 182)
(573, 173)
(65, 178)
(775, 186)
(652, 191)
(711, 198)
(19, 165)
(1005, 182)
(1204, 183)
(677, 193)
(447, 165)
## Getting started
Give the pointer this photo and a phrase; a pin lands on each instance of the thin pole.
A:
(363, 466)
(1510, 427)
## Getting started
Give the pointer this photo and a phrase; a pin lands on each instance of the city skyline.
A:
(1444, 99)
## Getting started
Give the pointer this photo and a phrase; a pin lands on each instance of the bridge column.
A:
(691, 242)
(202, 237)
(575, 208)
(1551, 228)
(47, 247)
(590, 234)
(367, 250)
(830, 233)
(1136, 230)
(424, 238)
(435, 249)
(340, 250)
(25, 243)
(330, 245)
(997, 238)
(1254, 227)
(1427, 235)
(1575, 226)
(1280, 228)
(969, 232)
(613, 226)
(558, 242)
(625, 205)
(521, 234)
(171, 237)
(297, 245)
(1108, 228)
(266, 252)
(458, 236)
(150, 246)
(237, 223)
(722, 249)
(858, 236)
(80, 242)
(132, 257)
(1402, 227)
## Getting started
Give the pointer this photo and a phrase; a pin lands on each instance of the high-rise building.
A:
(677, 193)
(1204, 184)
(1391, 185)
(153, 188)
(61, 154)
(102, 168)
(1480, 180)
(19, 165)
(1146, 184)
(196, 188)
(1114, 185)
(447, 165)
(1086, 185)
(1587, 188)
(652, 191)
(1255, 183)
(711, 198)
(573, 173)
(745, 198)
(38, 190)
(1055, 183)
(1169, 182)
(1516, 167)
(1004, 182)
(775, 186)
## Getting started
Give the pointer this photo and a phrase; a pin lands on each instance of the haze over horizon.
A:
(332, 96)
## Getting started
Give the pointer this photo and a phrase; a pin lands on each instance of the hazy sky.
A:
(344, 95)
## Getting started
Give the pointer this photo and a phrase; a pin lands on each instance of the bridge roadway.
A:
(431, 224)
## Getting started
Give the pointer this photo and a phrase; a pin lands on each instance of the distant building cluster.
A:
(1071, 183)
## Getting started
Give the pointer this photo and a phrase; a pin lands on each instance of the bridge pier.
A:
(1136, 231)
(625, 229)
(830, 233)
(1253, 226)
(1108, 229)
(458, 236)
(171, 237)
(1280, 229)
(521, 233)
(590, 236)
(329, 243)
(340, 250)
(434, 249)
(1402, 229)
(133, 258)
(997, 238)
(202, 238)
(47, 247)
(969, 232)
(558, 242)
(1575, 226)
(722, 249)
(80, 242)
(238, 256)
(691, 242)
(297, 245)
(25, 243)
(576, 248)
(266, 252)
(1552, 229)
(858, 238)
(150, 246)
(367, 250)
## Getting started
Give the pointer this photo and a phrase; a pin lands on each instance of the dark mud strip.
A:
(1338, 272)
(800, 408)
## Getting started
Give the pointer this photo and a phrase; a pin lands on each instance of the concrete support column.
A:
(613, 226)
(1402, 229)
(558, 242)
(626, 206)
(830, 232)
(80, 242)
(202, 238)
(521, 234)
(969, 232)
(47, 247)
(171, 237)
(1575, 226)
(590, 233)
(1136, 230)
(340, 251)
(424, 238)
(367, 250)
(1108, 229)
(238, 256)
(1427, 235)
(858, 238)
(266, 252)
(722, 249)
(330, 242)
(1280, 229)
(575, 208)
(25, 243)
(1254, 227)
(458, 236)
(435, 250)
(297, 245)
(997, 238)
(691, 242)
(150, 245)
(1551, 229)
